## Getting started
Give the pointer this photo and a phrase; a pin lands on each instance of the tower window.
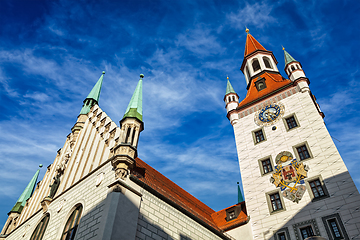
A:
(267, 62)
(266, 165)
(290, 122)
(260, 84)
(258, 136)
(334, 227)
(297, 66)
(317, 188)
(256, 65)
(281, 236)
(276, 202)
(303, 152)
(292, 68)
(40, 228)
(233, 98)
(127, 134)
(307, 232)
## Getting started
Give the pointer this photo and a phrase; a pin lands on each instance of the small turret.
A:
(89, 102)
(93, 97)
(257, 60)
(292, 68)
(231, 100)
(20, 204)
(294, 71)
(124, 154)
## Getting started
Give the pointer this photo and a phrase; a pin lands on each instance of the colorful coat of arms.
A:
(289, 176)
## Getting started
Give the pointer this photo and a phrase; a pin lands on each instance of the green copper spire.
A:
(26, 194)
(240, 197)
(93, 97)
(134, 108)
(288, 57)
(229, 88)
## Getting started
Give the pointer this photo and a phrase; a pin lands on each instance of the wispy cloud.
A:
(252, 15)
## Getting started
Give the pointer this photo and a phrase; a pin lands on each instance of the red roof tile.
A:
(173, 192)
(273, 82)
(220, 218)
(252, 45)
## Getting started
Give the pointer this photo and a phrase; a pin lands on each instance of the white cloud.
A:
(252, 15)
(200, 41)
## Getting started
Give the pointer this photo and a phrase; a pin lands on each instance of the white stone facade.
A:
(326, 163)
(159, 220)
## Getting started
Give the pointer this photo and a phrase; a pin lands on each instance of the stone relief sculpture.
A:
(54, 186)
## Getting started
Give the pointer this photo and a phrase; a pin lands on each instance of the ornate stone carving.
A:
(121, 173)
(45, 203)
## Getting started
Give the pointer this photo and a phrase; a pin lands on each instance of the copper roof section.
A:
(252, 45)
(273, 82)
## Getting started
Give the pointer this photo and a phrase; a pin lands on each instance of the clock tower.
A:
(295, 182)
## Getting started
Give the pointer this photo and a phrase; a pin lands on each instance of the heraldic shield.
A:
(289, 176)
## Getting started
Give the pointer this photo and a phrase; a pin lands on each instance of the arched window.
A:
(233, 98)
(267, 62)
(292, 68)
(40, 228)
(127, 135)
(298, 67)
(255, 65)
(72, 224)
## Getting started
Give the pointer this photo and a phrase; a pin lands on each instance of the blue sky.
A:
(53, 52)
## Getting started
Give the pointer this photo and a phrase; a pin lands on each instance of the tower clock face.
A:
(269, 114)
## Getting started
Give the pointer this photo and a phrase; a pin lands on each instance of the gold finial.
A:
(227, 77)
(247, 30)
(282, 47)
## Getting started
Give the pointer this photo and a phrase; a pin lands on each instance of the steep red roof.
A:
(173, 192)
(252, 45)
(273, 82)
(220, 218)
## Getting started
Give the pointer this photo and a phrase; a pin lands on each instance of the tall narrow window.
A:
(267, 62)
(306, 232)
(133, 137)
(292, 68)
(72, 224)
(334, 227)
(127, 135)
(276, 202)
(40, 228)
(255, 65)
